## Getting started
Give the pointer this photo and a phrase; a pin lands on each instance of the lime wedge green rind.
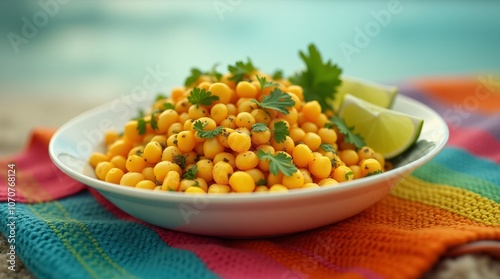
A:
(386, 131)
(375, 93)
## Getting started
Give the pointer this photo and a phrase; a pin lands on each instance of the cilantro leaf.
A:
(168, 106)
(374, 172)
(277, 100)
(259, 127)
(160, 97)
(153, 121)
(261, 182)
(349, 135)
(277, 75)
(327, 147)
(278, 162)
(180, 160)
(347, 175)
(141, 123)
(264, 83)
(191, 172)
(214, 75)
(240, 69)
(328, 125)
(195, 75)
(201, 97)
(199, 126)
(280, 131)
(319, 80)
(141, 126)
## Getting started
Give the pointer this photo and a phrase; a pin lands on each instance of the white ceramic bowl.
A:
(236, 215)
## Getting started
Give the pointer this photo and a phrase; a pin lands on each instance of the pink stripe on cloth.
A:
(214, 252)
(37, 178)
(475, 141)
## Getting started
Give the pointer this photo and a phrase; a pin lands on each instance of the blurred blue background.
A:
(101, 49)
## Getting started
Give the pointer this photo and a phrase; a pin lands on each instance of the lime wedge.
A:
(378, 94)
(386, 131)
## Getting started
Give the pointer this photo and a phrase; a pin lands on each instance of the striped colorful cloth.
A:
(64, 230)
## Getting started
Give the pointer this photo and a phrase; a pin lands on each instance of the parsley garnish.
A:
(319, 80)
(180, 160)
(240, 69)
(261, 182)
(201, 97)
(264, 83)
(141, 126)
(278, 162)
(328, 125)
(168, 106)
(197, 73)
(277, 100)
(160, 97)
(348, 174)
(277, 75)
(198, 126)
(349, 135)
(374, 173)
(327, 147)
(280, 131)
(259, 127)
(153, 121)
(191, 172)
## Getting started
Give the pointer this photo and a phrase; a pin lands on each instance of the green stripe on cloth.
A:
(93, 243)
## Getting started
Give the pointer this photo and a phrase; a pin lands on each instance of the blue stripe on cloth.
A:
(93, 243)
(462, 161)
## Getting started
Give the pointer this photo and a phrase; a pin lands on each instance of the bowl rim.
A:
(232, 198)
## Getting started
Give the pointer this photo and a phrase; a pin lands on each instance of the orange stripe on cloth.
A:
(42, 135)
(464, 94)
(395, 238)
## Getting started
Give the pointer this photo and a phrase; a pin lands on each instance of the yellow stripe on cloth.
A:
(87, 251)
(453, 199)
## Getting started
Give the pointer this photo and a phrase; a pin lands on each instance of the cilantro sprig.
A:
(197, 73)
(201, 97)
(278, 163)
(264, 83)
(199, 127)
(259, 127)
(319, 80)
(241, 69)
(180, 160)
(277, 100)
(261, 182)
(142, 123)
(327, 147)
(280, 131)
(277, 74)
(348, 132)
(168, 106)
(191, 172)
